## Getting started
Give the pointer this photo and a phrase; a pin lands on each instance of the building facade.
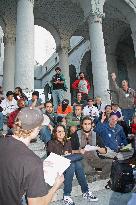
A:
(107, 28)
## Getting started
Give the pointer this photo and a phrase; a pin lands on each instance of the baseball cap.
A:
(30, 118)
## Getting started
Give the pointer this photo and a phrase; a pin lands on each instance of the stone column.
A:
(134, 40)
(133, 29)
(98, 58)
(64, 65)
(24, 75)
(9, 62)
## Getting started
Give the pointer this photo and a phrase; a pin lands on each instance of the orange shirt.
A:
(67, 111)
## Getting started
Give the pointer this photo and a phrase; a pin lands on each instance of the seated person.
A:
(133, 125)
(51, 118)
(73, 137)
(99, 104)
(107, 112)
(75, 117)
(116, 110)
(111, 133)
(12, 115)
(78, 100)
(62, 121)
(64, 108)
(91, 110)
(91, 159)
(61, 146)
(35, 101)
(18, 94)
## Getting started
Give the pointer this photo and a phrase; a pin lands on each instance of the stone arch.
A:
(86, 67)
(125, 9)
(126, 61)
(50, 28)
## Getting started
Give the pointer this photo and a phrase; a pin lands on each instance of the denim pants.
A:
(128, 114)
(75, 167)
(1, 120)
(45, 134)
(58, 96)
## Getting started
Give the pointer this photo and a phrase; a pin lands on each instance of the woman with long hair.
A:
(62, 146)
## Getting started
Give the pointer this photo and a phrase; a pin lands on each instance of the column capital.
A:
(64, 45)
(9, 38)
(95, 17)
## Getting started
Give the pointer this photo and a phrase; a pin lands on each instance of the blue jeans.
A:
(58, 96)
(128, 114)
(45, 134)
(1, 120)
(75, 167)
(132, 200)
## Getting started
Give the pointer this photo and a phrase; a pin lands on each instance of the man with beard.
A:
(91, 160)
(81, 85)
(126, 98)
(46, 131)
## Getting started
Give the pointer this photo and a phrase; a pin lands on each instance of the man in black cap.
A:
(59, 86)
(21, 171)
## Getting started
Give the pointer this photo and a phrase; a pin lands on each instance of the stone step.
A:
(76, 190)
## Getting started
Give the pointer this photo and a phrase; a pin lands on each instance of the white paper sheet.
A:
(58, 165)
(90, 148)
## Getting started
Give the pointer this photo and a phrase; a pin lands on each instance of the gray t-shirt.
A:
(21, 171)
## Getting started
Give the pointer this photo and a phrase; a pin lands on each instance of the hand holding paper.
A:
(57, 165)
(90, 148)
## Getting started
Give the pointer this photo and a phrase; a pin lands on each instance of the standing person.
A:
(59, 87)
(21, 171)
(60, 145)
(126, 98)
(82, 85)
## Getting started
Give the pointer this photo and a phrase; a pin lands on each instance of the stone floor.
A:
(106, 197)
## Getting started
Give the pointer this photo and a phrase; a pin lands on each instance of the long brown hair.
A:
(54, 133)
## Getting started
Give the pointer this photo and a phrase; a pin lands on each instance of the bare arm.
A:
(45, 200)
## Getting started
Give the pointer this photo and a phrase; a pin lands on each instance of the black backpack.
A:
(121, 178)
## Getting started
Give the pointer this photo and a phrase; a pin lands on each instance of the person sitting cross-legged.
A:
(62, 146)
(75, 117)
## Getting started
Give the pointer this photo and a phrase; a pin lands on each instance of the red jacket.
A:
(76, 82)
(11, 118)
(133, 128)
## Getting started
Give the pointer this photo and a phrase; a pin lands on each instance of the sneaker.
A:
(68, 201)
(88, 195)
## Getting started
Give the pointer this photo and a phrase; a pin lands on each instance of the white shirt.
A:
(8, 106)
(91, 111)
